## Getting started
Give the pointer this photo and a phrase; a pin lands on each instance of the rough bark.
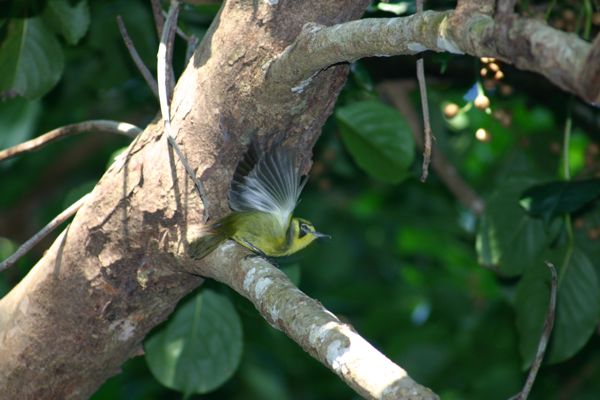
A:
(120, 267)
(118, 271)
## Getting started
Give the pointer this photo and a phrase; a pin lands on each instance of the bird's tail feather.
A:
(205, 245)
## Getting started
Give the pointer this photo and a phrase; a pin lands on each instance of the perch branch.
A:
(547, 331)
(334, 343)
(45, 231)
(136, 57)
(529, 44)
(121, 128)
(165, 91)
(397, 94)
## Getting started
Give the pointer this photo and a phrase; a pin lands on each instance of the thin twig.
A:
(426, 124)
(164, 63)
(541, 350)
(136, 57)
(35, 239)
(159, 20)
(397, 93)
(425, 109)
(100, 125)
(165, 90)
(181, 33)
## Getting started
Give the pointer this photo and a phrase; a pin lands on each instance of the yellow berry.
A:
(483, 135)
(450, 110)
(482, 102)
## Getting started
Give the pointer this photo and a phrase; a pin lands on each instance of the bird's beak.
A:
(321, 235)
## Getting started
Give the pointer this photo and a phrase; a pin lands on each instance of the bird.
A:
(264, 192)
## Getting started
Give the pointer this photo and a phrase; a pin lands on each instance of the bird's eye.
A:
(303, 230)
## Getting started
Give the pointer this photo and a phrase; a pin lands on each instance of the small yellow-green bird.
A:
(263, 194)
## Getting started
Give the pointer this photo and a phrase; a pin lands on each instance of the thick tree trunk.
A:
(119, 269)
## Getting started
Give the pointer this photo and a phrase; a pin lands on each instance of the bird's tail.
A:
(205, 244)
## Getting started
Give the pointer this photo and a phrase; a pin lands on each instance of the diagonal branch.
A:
(320, 333)
(529, 44)
(544, 339)
(45, 231)
(136, 57)
(122, 128)
(165, 93)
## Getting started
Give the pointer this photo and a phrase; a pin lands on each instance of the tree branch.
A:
(528, 44)
(320, 333)
(45, 231)
(122, 128)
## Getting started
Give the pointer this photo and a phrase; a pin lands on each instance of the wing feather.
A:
(270, 183)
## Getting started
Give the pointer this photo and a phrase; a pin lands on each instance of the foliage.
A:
(456, 298)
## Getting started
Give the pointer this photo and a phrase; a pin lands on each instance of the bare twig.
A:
(181, 33)
(424, 109)
(159, 20)
(35, 239)
(319, 332)
(543, 343)
(165, 90)
(397, 93)
(136, 57)
(121, 128)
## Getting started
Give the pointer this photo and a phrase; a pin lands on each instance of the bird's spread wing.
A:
(268, 182)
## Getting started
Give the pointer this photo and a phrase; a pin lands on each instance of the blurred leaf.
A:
(577, 309)
(200, 347)
(508, 237)
(551, 199)
(293, 272)
(70, 21)
(31, 59)
(361, 76)
(18, 118)
(78, 192)
(532, 120)
(378, 138)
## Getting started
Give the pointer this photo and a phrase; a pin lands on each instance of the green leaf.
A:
(31, 59)
(200, 347)
(508, 238)
(70, 21)
(378, 138)
(551, 199)
(18, 119)
(577, 308)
